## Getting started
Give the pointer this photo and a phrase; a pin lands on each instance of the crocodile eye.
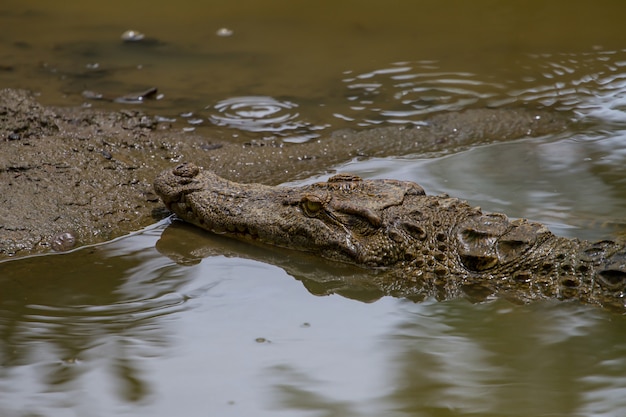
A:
(311, 205)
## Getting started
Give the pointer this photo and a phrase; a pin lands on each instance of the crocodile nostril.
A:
(186, 170)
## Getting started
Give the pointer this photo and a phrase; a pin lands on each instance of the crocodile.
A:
(422, 245)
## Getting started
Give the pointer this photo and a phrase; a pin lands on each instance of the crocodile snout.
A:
(172, 184)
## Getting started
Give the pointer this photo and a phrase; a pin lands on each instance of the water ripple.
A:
(123, 312)
(591, 85)
(405, 92)
(262, 114)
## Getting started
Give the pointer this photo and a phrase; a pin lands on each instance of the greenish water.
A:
(170, 321)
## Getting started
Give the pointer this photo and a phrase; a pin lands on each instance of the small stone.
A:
(62, 242)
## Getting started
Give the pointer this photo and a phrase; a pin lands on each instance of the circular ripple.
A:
(262, 114)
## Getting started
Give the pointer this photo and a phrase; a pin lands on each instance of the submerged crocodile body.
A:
(423, 245)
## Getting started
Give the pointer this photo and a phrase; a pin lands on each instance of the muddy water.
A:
(171, 321)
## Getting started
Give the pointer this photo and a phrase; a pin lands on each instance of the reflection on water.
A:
(503, 361)
(62, 313)
(230, 334)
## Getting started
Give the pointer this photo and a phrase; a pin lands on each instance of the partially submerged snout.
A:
(209, 201)
(172, 184)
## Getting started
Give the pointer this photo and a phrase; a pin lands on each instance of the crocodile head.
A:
(345, 218)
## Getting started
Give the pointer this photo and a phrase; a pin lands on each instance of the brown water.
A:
(174, 322)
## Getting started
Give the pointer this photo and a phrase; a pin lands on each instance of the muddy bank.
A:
(75, 176)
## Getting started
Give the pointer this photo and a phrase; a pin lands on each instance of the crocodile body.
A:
(423, 245)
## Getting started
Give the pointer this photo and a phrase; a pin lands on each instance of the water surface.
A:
(170, 321)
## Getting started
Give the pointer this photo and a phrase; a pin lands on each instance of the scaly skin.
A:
(423, 245)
